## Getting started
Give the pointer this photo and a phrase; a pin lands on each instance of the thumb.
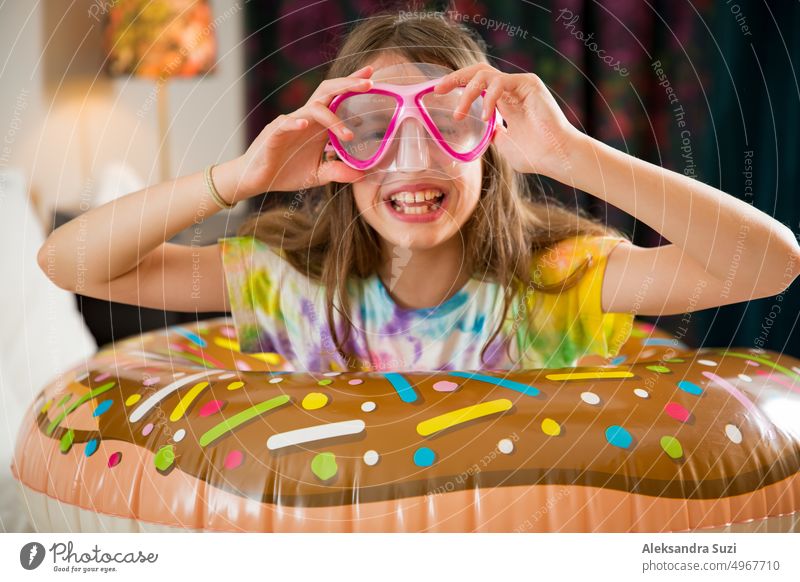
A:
(336, 171)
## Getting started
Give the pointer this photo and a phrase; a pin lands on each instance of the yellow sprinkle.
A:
(314, 400)
(133, 399)
(235, 385)
(226, 343)
(550, 427)
(589, 375)
(186, 401)
(46, 407)
(449, 419)
(268, 357)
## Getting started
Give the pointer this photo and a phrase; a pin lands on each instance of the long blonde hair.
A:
(327, 239)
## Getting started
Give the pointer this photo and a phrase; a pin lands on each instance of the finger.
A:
(328, 119)
(287, 124)
(493, 93)
(459, 78)
(330, 88)
(474, 88)
(336, 171)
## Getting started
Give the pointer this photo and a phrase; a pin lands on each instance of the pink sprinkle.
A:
(751, 363)
(234, 459)
(114, 459)
(148, 428)
(151, 381)
(445, 386)
(227, 332)
(355, 382)
(212, 407)
(102, 377)
(677, 412)
(240, 365)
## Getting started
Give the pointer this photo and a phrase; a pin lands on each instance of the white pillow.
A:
(42, 333)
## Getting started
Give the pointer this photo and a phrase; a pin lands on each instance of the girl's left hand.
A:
(538, 137)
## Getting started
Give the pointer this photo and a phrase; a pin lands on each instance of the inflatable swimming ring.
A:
(177, 429)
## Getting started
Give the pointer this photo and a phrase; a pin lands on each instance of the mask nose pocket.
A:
(412, 153)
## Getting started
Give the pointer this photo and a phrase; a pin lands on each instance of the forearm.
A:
(110, 240)
(710, 226)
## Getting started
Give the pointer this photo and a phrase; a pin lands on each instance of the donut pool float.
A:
(179, 430)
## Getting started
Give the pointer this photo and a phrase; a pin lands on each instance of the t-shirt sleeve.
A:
(252, 273)
(570, 323)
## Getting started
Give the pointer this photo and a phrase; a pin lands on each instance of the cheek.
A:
(364, 195)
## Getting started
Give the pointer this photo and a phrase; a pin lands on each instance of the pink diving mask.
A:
(401, 125)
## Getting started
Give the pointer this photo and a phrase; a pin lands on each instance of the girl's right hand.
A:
(287, 154)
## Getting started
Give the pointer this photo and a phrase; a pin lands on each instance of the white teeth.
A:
(419, 197)
(400, 201)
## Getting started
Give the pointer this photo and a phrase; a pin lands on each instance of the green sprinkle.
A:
(324, 466)
(165, 457)
(325, 382)
(672, 447)
(231, 423)
(659, 369)
(67, 440)
(82, 400)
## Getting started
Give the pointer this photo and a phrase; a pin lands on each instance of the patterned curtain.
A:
(708, 89)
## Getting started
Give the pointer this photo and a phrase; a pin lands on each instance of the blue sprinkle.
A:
(102, 407)
(502, 382)
(618, 436)
(91, 447)
(424, 457)
(401, 386)
(659, 341)
(690, 387)
(618, 360)
(191, 336)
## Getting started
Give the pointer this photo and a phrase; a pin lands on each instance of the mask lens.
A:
(368, 117)
(462, 135)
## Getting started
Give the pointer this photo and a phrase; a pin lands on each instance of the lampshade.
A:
(160, 39)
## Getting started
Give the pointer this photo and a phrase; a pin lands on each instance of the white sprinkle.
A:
(707, 362)
(745, 378)
(276, 380)
(641, 393)
(371, 457)
(590, 398)
(226, 376)
(368, 406)
(314, 433)
(505, 446)
(733, 433)
(332, 374)
(179, 434)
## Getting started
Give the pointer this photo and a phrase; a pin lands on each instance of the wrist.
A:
(228, 181)
(570, 151)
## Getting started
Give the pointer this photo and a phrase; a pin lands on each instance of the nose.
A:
(412, 147)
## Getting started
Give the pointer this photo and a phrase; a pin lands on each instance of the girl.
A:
(420, 263)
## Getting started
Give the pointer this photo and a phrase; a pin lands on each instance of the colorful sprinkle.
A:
(745, 378)
(324, 382)
(178, 374)
(690, 387)
(462, 415)
(148, 428)
(590, 398)
(424, 457)
(550, 427)
(707, 362)
(152, 401)
(371, 458)
(733, 433)
(46, 407)
(82, 400)
(227, 344)
(103, 376)
(677, 412)
(133, 399)
(165, 457)
(227, 331)
(324, 466)
(231, 423)
(402, 387)
(235, 385)
(91, 447)
(502, 382)
(270, 358)
(505, 446)
(672, 447)
(315, 400)
(368, 406)
(277, 380)
(212, 407)
(641, 393)
(191, 336)
(227, 376)
(187, 400)
(234, 459)
(150, 381)
(445, 386)
(618, 436)
(66, 441)
(567, 376)
(243, 366)
(355, 381)
(315, 433)
(332, 374)
(102, 407)
(114, 459)
(659, 369)
(179, 435)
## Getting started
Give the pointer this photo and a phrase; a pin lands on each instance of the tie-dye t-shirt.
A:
(276, 308)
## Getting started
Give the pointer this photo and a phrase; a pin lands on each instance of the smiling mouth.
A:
(418, 202)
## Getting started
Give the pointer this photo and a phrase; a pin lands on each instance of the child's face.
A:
(429, 220)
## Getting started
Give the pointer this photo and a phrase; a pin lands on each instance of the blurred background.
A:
(99, 98)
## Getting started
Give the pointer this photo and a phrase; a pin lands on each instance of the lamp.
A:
(160, 40)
